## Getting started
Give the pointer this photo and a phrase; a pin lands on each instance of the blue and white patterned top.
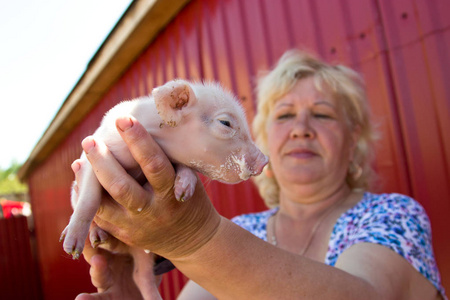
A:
(392, 220)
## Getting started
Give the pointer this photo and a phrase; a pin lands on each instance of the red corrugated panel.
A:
(400, 47)
(19, 278)
(418, 36)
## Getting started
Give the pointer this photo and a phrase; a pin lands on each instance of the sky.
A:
(45, 46)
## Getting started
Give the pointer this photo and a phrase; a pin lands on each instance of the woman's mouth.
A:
(301, 153)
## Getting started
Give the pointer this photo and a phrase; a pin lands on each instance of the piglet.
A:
(200, 126)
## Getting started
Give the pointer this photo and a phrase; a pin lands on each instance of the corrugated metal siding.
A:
(418, 38)
(401, 48)
(18, 267)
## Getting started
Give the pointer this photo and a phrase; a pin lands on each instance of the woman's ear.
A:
(354, 138)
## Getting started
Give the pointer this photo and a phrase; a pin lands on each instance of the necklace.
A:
(313, 231)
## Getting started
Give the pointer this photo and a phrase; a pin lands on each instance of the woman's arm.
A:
(228, 261)
(192, 290)
(234, 264)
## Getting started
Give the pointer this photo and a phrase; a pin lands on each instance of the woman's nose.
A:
(302, 128)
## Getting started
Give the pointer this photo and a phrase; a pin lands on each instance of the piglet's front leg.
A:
(185, 182)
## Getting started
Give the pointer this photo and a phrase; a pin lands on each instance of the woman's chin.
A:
(303, 177)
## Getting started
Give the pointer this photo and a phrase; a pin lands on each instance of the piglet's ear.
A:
(172, 100)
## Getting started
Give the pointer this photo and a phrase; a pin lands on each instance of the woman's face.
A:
(308, 140)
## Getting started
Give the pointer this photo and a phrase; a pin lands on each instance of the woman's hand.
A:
(149, 216)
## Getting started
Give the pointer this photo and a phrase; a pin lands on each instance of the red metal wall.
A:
(401, 48)
(18, 267)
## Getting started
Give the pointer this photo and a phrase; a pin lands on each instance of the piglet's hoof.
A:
(74, 237)
(71, 246)
(97, 236)
(184, 183)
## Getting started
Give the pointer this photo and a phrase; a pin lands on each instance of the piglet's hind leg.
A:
(89, 197)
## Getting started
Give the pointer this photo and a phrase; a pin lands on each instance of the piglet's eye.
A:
(225, 122)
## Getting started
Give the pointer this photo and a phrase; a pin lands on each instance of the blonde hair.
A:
(342, 83)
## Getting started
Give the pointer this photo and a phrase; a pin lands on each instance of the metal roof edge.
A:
(135, 30)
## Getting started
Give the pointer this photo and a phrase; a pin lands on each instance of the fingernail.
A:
(88, 144)
(124, 124)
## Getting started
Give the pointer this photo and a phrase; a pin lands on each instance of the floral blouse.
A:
(392, 220)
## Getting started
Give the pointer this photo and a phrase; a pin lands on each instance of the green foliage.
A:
(9, 182)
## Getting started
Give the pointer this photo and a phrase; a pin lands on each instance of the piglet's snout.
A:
(259, 162)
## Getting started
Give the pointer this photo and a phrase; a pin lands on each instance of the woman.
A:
(333, 240)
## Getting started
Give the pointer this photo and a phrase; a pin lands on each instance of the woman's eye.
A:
(322, 116)
(284, 116)
(225, 122)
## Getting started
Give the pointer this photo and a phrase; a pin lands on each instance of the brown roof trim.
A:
(136, 29)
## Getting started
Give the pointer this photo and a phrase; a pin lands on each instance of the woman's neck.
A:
(302, 206)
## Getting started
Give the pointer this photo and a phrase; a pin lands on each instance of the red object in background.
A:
(11, 208)
(19, 274)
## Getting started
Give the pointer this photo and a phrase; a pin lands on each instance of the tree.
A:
(9, 182)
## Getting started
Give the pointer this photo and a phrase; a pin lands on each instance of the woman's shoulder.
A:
(388, 202)
(390, 215)
(255, 223)
(380, 207)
